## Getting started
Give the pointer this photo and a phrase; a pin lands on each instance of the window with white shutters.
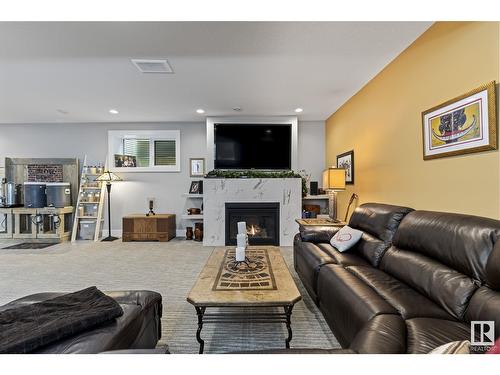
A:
(144, 150)
(165, 152)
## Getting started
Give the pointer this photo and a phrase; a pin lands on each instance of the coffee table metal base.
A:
(231, 317)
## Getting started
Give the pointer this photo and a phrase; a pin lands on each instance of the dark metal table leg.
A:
(200, 311)
(288, 312)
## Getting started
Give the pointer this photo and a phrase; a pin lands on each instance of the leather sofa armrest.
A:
(318, 234)
(30, 299)
(143, 298)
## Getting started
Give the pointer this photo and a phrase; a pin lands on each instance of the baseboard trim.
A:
(118, 233)
(114, 232)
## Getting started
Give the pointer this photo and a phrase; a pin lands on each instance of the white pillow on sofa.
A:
(345, 238)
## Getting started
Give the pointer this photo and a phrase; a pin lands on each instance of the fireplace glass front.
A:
(262, 222)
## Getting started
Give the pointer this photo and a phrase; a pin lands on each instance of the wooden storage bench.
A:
(159, 227)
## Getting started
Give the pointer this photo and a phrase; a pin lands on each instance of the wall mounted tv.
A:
(253, 146)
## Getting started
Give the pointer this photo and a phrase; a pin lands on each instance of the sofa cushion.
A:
(408, 302)
(450, 289)
(347, 302)
(380, 220)
(383, 334)
(371, 248)
(426, 334)
(347, 258)
(379, 223)
(461, 242)
(308, 259)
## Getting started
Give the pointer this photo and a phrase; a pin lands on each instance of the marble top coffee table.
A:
(264, 281)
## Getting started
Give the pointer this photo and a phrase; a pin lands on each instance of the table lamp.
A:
(109, 177)
(333, 181)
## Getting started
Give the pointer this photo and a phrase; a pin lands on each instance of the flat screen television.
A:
(253, 146)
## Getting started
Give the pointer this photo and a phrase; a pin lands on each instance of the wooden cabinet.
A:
(159, 227)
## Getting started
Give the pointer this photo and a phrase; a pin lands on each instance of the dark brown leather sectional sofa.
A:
(414, 281)
(138, 328)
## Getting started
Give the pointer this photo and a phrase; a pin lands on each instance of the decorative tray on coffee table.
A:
(255, 273)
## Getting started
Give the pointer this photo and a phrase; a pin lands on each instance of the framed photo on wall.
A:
(125, 161)
(346, 161)
(462, 125)
(197, 167)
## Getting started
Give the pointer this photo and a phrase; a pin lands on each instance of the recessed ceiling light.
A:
(113, 111)
(298, 110)
(200, 111)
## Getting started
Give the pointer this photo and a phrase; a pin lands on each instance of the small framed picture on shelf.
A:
(125, 161)
(197, 167)
(346, 161)
(196, 187)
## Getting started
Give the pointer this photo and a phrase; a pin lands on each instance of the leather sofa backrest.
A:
(379, 222)
(445, 256)
(461, 242)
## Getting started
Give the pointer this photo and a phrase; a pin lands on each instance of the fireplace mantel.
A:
(219, 191)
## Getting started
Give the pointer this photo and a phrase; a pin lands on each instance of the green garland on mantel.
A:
(250, 173)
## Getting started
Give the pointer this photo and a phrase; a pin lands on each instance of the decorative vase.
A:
(189, 233)
(198, 232)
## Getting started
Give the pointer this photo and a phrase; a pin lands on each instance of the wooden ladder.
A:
(86, 179)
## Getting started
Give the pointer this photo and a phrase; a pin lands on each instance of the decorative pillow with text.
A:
(346, 238)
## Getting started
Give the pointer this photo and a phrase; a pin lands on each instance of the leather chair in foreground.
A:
(414, 281)
(138, 328)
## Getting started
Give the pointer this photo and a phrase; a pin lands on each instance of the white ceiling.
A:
(266, 68)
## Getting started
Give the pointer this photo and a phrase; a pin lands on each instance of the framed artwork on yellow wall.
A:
(461, 125)
(346, 161)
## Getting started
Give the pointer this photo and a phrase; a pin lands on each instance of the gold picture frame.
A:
(463, 125)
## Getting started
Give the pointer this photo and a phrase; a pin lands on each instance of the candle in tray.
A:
(241, 240)
(242, 227)
(240, 254)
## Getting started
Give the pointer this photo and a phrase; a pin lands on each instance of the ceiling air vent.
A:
(152, 66)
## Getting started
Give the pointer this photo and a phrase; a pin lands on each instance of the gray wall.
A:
(78, 140)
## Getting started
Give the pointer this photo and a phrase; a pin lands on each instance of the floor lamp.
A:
(333, 181)
(109, 177)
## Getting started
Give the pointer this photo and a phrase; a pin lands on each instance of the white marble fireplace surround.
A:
(218, 191)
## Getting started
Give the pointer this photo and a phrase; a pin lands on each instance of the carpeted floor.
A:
(168, 268)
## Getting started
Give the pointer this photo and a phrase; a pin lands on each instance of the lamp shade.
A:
(108, 177)
(334, 179)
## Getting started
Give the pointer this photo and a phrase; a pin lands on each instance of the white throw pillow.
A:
(454, 347)
(345, 238)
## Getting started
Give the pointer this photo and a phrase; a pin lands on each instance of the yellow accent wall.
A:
(382, 123)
